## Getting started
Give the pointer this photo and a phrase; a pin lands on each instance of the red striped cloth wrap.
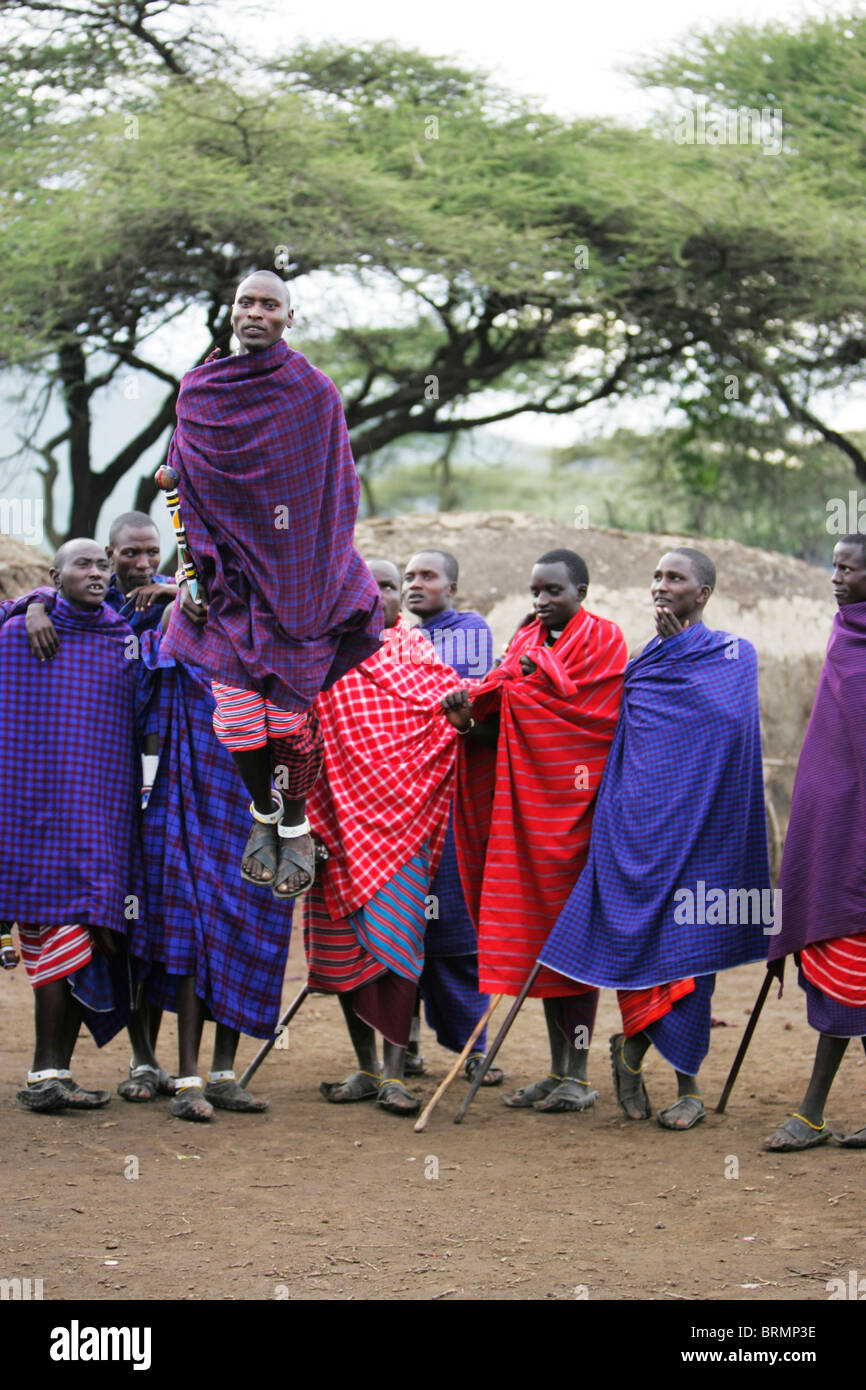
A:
(524, 809)
(388, 771)
(838, 968)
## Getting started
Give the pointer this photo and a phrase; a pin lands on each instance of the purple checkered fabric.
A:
(69, 789)
(828, 1015)
(682, 801)
(68, 777)
(269, 497)
(203, 920)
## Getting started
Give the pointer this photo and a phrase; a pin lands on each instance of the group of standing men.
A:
(454, 824)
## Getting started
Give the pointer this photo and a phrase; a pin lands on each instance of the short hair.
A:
(702, 565)
(574, 563)
(857, 538)
(136, 519)
(272, 275)
(449, 561)
(380, 560)
(60, 557)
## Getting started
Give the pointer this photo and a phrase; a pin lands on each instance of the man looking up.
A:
(676, 885)
(269, 496)
(823, 876)
(524, 809)
(68, 724)
(449, 981)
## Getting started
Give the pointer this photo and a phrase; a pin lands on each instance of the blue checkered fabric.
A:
(449, 983)
(683, 1035)
(828, 1015)
(452, 1004)
(681, 802)
(203, 920)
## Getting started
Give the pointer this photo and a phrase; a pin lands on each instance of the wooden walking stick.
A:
(744, 1045)
(421, 1122)
(500, 1038)
(266, 1047)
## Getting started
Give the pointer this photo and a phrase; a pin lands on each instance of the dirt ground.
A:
(316, 1201)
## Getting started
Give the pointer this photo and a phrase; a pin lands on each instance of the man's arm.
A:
(457, 708)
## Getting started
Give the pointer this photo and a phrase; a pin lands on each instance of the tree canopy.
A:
(515, 262)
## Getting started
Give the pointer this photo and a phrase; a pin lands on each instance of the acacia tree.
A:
(539, 265)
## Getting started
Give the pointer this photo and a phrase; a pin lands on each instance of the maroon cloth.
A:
(823, 875)
(268, 497)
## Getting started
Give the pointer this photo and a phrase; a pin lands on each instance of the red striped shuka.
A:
(523, 811)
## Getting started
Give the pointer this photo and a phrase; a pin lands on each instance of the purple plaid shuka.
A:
(69, 783)
(269, 496)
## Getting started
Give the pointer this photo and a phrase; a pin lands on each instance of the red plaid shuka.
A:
(524, 810)
(387, 778)
(838, 968)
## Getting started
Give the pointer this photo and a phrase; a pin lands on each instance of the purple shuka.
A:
(69, 783)
(203, 920)
(269, 496)
(823, 875)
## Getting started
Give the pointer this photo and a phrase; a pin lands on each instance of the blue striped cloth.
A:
(391, 924)
(681, 803)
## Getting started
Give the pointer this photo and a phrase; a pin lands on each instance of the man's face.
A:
(260, 313)
(388, 578)
(426, 586)
(83, 576)
(134, 556)
(556, 597)
(676, 587)
(849, 573)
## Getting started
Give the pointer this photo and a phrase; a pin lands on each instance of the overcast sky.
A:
(568, 55)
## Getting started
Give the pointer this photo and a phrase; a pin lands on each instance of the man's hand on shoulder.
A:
(149, 594)
(41, 632)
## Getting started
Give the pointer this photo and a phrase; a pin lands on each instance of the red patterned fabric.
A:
(641, 1007)
(52, 953)
(389, 756)
(524, 810)
(838, 968)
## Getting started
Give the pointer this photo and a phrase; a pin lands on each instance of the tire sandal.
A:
(143, 1079)
(361, 1085)
(262, 842)
(798, 1133)
(44, 1092)
(186, 1105)
(387, 1098)
(686, 1106)
(526, 1097)
(223, 1091)
(77, 1098)
(623, 1072)
(568, 1098)
(495, 1075)
(291, 859)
